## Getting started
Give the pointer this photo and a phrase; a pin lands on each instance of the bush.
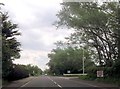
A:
(84, 77)
(111, 74)
(110, 80)
(91, 71)
(116, 69)
(17, 73)
(107, 71)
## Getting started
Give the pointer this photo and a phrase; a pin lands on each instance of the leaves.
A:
(94, 22)
(62, 60)
(10, 45)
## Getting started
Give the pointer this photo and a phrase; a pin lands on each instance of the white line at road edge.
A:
(55, 82)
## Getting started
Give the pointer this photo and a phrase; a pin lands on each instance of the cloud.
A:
(32, 13)
(38, 58)
(35, 19)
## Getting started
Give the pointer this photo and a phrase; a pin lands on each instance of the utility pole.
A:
(83, 62)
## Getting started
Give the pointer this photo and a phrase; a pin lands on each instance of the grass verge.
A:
(108, 80)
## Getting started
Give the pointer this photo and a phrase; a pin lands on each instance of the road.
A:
(48, 82)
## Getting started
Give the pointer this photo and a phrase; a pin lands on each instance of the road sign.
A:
(100, 73)
(68, 71)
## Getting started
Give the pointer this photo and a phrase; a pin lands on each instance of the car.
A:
(45, 74)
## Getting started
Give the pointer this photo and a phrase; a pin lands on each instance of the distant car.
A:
(45, 74)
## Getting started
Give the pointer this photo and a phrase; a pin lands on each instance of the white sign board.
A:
(100, 73)
(68, 71)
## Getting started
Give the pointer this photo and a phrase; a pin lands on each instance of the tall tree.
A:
(62, 60)
(93, 22)
(10, 45)
(118, 30)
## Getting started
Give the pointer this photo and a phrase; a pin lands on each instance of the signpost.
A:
(100, 73)
(68, 72)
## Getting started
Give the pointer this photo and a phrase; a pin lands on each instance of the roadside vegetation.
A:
(109, 80)
(95, 38)
(11, 51)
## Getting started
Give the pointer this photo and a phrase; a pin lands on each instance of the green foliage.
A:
(116, 69)
(33, 70)
(10, 45)
(10, 52)
(62, 60)
(96, 23)
(85, 77)
(23, 71)
(110, 80)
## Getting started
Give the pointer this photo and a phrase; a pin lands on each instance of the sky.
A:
(35, 20)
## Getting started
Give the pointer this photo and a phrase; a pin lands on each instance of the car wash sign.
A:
(100, 73)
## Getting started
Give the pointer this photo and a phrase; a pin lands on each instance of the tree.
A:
(97, 23)
(10, 45)
(62, 60)
(22, 71)
(33, 70)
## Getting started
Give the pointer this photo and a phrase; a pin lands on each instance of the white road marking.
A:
(55, 82)
(26, 83)
(59, 86)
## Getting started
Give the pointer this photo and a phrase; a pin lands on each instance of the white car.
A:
(45, 74)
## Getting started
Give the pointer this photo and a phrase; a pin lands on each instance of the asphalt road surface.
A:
(47, 81)
(52, 82)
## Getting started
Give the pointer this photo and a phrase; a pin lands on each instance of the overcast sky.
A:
(35, 19)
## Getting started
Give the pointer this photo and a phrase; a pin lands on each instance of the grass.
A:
(87, 77)
(115, 81)
(109, 80)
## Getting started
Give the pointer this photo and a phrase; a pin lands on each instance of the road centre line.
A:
(55, 82)
(26, 83)
(59, 86)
